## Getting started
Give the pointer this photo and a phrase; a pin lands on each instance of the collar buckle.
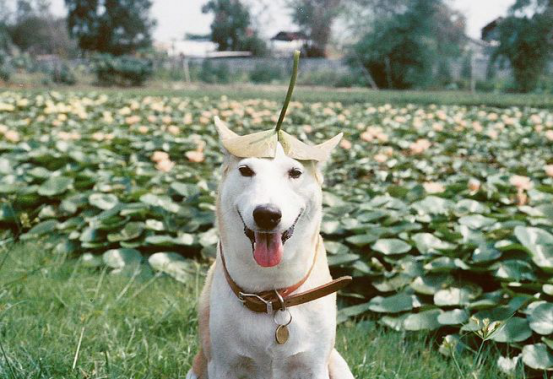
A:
(243, 298)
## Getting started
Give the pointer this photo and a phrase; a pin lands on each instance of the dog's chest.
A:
(252, 335)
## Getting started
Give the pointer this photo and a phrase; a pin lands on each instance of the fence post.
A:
(187, 71)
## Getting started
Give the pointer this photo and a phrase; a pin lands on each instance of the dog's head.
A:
(265, 204)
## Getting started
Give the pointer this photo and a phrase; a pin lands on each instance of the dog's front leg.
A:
(338, 367)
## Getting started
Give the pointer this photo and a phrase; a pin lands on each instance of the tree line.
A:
(397, 44)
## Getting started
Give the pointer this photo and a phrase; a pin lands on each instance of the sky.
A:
(175, 18)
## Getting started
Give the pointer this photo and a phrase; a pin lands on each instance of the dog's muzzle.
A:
(285, 236)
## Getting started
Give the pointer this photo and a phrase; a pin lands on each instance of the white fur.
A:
(242, 342)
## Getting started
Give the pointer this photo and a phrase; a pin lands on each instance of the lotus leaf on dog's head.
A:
(264, 144)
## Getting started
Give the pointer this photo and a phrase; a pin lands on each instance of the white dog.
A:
(268, 215)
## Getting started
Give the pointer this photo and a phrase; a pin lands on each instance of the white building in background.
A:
(188, 48)
(283, 44)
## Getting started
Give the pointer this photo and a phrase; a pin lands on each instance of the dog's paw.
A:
(191, 375)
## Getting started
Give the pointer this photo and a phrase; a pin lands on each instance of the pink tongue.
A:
(268, 249)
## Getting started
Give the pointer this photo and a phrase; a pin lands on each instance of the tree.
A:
(4, 35)
(410, 41)
(231, 28)
(49, 35)
(315, 18)
(526, 41)
(115, 27)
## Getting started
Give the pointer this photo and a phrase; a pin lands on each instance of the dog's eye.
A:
(246, 171)
(294, 173)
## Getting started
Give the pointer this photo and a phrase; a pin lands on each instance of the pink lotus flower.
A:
(522, 183)
(98, 136)
(474, 185)
(420, 146)
(381, 158)
(159, 156)
(12, 136)
(195, 156)
(432, 187)
(549, 170)
(131, 120)
(345, 144)
(173, 129)
(165, 165)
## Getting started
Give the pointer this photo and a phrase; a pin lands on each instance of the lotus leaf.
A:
(393, 304)
(391, 246)
(541, 319)
(122, 258)
(429, 244)
(427, 320)
(537, 357)
(453, 317)
(173, 265)
(515, 329)
(55, 186)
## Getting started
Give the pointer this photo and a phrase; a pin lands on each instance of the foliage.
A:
(115, 27)
(442, 213)
(49, 34)
(214, 73)
(267, 73)
(5, 71)
(122, 70)
(315, 18)
(5, 43)
(400, 50)
(231, 28)
(63, 74)
(525, 42)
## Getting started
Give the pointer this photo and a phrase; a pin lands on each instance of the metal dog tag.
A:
(282, 334)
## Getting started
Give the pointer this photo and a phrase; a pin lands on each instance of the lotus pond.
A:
(443, 214)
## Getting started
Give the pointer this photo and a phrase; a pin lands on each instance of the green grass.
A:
(59, 319)
(324, 94)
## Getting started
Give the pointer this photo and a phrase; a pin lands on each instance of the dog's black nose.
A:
(267, 216)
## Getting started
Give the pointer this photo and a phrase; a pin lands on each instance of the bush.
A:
(263, 73)
(5, 73)
(214, 73)
(63, 75)
(330, 78)
(24, 62)
(5, 70)
(525, 42)
(123, 70)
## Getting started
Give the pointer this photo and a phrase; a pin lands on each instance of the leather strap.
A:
(269, 301)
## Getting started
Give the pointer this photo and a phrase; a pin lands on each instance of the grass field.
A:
(322, 94)
(59, 319)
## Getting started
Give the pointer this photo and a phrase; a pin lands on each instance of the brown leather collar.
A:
(280, 299)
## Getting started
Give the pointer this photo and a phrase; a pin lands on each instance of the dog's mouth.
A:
(267, 247)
